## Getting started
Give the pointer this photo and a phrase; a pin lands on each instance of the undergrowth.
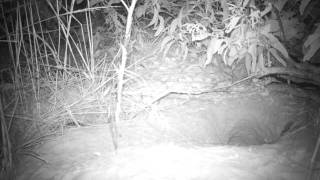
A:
(60, 75)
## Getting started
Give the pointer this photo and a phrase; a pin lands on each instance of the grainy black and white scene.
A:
(159, 89)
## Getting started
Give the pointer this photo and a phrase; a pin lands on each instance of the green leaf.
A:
(176, 22)
(231, 60)
(275, 43)
(248, 62)
(311, 38)
(222, 48)
(213, 48)
(160, 27)
(271, 25)
(252, 50)
(234, 21)
(279, 4)
(261, 61)
(140, 11)
(165, 41)
(314, 47)
(245, 3)
(232, 55)
(267, 9)
(275, 54)
(154, 18)
(303, 6)
(167, 47)
(185, 50)
(225, 9)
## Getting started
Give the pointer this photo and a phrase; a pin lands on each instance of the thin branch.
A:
(125, 5)
(122, 71)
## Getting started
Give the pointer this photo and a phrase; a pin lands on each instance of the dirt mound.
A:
(214, 136)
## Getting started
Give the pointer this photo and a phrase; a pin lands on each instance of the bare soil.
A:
(262, 134)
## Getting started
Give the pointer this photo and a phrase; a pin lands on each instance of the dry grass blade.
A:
(313, 160)
(46, 60)
(6, 151)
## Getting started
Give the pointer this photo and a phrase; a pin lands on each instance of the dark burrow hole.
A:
(251, 135)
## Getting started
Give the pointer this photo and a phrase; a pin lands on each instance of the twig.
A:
(125, 5)
(218, 89)
(121, 72)
(204, 92)
(312, 77)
